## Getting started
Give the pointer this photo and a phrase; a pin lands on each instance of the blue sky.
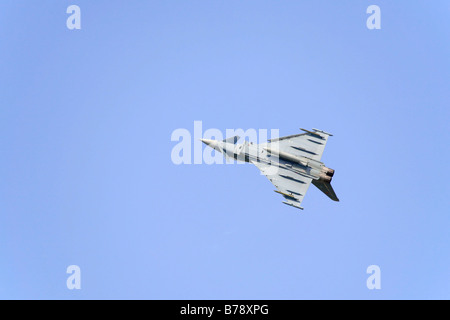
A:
(86, 176)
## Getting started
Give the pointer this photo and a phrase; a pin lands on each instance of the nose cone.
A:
(208, 142)
(211, 143)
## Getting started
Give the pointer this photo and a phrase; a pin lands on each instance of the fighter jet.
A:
(290, 163)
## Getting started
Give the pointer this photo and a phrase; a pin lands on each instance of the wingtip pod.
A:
(317, 132)
(321, 131)
(290, 204)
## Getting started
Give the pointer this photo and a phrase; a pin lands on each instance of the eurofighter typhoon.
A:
(291, 163)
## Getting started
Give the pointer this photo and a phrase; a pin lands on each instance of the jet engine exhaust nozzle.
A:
(325, 178)
(328, 171)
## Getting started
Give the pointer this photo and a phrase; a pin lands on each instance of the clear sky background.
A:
(86, 176)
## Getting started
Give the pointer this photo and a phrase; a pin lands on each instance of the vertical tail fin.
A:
(232, 139)
(326, 188)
